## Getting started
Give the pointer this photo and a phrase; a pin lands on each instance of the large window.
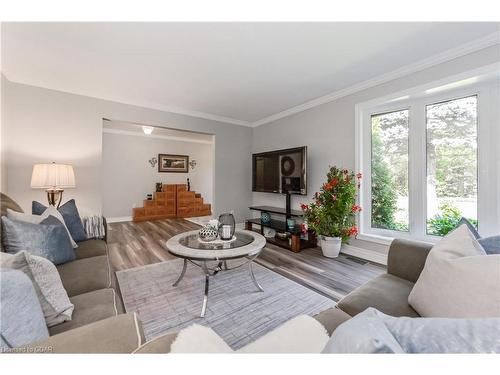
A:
(429, 159)
(389, 165)
(451, 163)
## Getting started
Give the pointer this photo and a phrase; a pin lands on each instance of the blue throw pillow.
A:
(49, 239)
(491, 245)
(21, 316)
(70, 215)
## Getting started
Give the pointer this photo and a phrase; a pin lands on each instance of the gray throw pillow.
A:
(71, 217)
(21, 317)
(374, 332)
(56, 306)
(491, 245)
(48, 239)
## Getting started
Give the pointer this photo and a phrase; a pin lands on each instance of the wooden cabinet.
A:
(173, 201)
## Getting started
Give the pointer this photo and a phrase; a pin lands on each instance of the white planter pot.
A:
(330, 246)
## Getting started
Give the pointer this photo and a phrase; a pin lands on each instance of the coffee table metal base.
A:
(221, 266)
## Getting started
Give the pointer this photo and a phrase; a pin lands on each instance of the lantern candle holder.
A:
(227, 226)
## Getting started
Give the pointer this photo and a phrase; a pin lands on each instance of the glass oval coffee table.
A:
(212, 257)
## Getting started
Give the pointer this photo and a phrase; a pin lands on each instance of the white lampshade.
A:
(47, 176)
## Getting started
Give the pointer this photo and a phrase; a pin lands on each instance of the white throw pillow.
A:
(56, 306)
(37, 219)
(458, 280)
(302, 334)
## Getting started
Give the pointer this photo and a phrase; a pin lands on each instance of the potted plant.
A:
(332, 214)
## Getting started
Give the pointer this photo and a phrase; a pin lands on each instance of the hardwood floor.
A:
(137, 244)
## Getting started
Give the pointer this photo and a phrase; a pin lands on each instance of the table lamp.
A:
(54, 178)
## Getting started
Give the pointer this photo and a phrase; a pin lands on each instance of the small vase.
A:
(330, 246)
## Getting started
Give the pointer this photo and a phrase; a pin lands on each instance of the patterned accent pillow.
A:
(71, 217)
(48, 239)
(21, 317)
(56, 306)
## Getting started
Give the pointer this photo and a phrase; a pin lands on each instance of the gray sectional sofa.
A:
(99, 324)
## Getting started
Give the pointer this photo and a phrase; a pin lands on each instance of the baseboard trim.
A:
(372, 256)
(119, 219)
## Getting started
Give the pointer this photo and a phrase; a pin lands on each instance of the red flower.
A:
(304, 228)
(304, 207)
(353, 231)
(356, 208)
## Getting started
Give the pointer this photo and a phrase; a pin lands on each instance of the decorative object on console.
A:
(54, 178)
(290, 224)
(227, 226)
(208, 233)
(159, 187)
(188, 184)
(149, 197)
(269, 232)
(173, 163)
(153, 161)
(283, 235)
(332, 215)
(192, 163)
(265, 217)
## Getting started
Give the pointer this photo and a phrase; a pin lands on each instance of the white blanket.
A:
(302, 334)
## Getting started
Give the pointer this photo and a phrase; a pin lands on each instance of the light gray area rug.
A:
(236, 310)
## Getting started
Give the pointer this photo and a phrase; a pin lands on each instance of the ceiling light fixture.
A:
(147, 129)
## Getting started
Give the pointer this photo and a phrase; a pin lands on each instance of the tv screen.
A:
(280, 171)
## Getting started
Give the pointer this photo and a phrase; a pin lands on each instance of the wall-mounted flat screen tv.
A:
(280, 171)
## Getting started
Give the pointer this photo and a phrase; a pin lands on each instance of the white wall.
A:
(328, 130)
(42, 125)
(127, 176)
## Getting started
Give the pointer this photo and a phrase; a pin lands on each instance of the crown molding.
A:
(453, 53)
(143, 104)
(156, 136)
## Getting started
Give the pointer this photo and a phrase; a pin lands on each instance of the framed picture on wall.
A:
(173, 163)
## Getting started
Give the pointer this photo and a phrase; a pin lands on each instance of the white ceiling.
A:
(235, 72)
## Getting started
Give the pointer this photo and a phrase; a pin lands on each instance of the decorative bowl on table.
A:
(208, 233)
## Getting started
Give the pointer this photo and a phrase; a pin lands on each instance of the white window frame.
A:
(488, 163)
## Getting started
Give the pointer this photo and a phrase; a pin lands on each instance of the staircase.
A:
(174, 201)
